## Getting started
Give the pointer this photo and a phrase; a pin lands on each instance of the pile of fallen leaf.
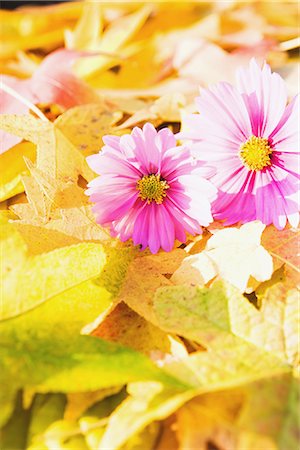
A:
(104, 346)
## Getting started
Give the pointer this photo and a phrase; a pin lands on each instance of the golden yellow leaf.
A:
(88, 28)
(13, 167)
(208, 419)
(242, 418)
(29, 29)
(40, 239)
(56, 156)
(235, 355)
(167, 438)
(84, 126)
(168, 107)
(52, 187)
(113, 39)
(80, 401)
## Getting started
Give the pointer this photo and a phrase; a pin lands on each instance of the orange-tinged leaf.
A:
(243, 418)
(282, 245)
(208, 419)
(136, 286)
(125, 326)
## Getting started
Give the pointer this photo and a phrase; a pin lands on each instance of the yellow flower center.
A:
(151, 188)
(255, 153)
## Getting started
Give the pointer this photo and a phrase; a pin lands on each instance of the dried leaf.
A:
(128, 328)
(136, 286)
(85, 126)
(282, 245)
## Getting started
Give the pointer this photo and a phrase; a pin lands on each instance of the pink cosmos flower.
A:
(250, 135)
(149, 189)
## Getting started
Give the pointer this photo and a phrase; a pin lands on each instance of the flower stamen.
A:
(152, 187)
(255, 153)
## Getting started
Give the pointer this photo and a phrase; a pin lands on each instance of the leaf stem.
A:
(286, 261)
(10, 91)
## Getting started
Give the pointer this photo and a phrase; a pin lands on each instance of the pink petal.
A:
(164, 140)
(165, 227)
(123, 228)
(106, 163)
(268, 93)
(112, 141)
(141, 226)
(144, 148)
(224, 102)
(10, 105)
(153, 230)
(190, 225)
(285, 137)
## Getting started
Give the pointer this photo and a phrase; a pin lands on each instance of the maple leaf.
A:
(217, 316)
(233, 254)
(165, 109)
(67, 297)
(242, 349)
(47, 338)
(58, 164)
(85, 125)
(137, 286)
(124, 325)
